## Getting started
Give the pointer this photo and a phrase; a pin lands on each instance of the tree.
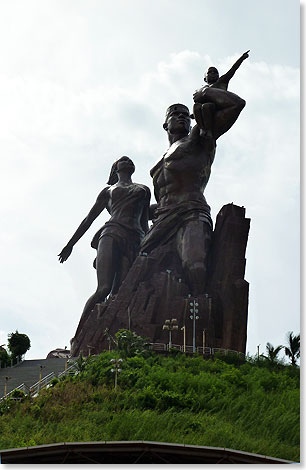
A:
(129, 343)
(18, 344)
(272, 353)
(4, 357)
(293, 349)
(82, 362)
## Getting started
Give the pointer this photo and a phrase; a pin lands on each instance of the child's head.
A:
(211, 76)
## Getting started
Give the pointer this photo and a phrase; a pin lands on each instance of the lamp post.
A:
(170, 325)
(258, 352)
(5, 385)
(204, 339)
(90, 349)
(184, 329)
(40, 375)
(116, 369)
(193, 304)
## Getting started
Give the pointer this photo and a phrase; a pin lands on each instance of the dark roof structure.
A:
(130, 452)
(59, 352)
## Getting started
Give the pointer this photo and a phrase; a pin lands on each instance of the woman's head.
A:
(124, 164)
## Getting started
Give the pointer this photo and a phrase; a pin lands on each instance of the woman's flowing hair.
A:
(113, 177)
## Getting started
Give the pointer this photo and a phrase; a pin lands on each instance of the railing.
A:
(23, 387)
(35, 389)
(68, 371)
(157, 346)
(189, 349)
(43, 383)
(207, 351)
(173, 346)
(225, 352)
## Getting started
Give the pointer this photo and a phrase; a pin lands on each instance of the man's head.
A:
(211, 76)
(177, 119)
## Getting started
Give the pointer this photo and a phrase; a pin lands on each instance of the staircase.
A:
(28, 372)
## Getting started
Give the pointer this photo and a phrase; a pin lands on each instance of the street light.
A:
(258, 352)
(204, 339)
(184, 329)
(116, 369)
(170, 325)
(40, 375)
(193, 304)
(5, 385)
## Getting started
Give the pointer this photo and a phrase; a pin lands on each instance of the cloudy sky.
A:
(85, 82)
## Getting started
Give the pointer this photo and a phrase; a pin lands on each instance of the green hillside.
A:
(250, 406)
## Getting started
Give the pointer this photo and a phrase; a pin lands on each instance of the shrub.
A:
(147, 398)
(231, 358)
(18, 394)
(129, 343)
(54, 381)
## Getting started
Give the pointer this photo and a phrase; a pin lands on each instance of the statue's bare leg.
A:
(106, 264)
(204, 116)
(193, 243)
(125, 265)
(197, 113)
(228, 107)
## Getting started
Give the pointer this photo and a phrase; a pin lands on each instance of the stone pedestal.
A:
(155, 290)
(227, 286)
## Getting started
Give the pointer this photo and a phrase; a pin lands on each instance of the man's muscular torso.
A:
(183, 172)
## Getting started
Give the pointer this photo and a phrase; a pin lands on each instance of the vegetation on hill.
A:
(251, 406)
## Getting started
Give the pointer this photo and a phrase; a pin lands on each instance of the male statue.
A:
(179, 179)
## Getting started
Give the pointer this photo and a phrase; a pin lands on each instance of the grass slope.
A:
(179, 399)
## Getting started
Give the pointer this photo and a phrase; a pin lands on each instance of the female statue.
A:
(118, 241)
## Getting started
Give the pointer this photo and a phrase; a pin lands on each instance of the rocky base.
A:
(155, 290)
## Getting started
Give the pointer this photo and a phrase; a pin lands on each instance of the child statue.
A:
(203, 110)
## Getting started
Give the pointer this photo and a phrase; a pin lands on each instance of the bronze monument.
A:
(182, 262)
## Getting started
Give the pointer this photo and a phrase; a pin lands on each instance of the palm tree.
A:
(293, 349)
(272, 352)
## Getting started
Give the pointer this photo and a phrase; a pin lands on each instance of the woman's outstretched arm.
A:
(96, 210)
